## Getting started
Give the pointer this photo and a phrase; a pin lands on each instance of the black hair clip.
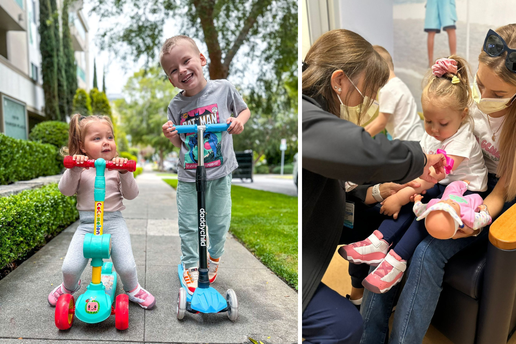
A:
(304, 66)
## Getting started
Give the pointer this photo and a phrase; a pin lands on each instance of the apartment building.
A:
(22, 101)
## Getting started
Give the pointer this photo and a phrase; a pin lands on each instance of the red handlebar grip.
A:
(130, 165)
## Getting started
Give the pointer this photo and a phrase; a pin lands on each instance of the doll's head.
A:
(442, 220)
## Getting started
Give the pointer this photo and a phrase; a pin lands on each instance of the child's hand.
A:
(391, 207)
(80, 159)
(169, 130)
(416, 198)
(236, 126)
(120, 162)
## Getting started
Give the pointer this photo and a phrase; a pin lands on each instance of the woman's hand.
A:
(120, 162)
(389, 189)
(438, 161)
(464, 232)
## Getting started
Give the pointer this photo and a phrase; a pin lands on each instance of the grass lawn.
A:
(266, 223)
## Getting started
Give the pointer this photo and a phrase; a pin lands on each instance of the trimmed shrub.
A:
(139, 170)
(128, 156)
(52, 132)
(24, 160)
(261, 169)
(29, 218)
(287, 169)
(82, 102)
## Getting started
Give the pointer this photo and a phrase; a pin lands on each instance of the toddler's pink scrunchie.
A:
(443, 66)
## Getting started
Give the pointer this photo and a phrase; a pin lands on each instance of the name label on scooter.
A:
(202, 226)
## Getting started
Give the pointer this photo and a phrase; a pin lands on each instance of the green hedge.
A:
(128, 155)
(261, 169)
(139, 170)
(30, 217)
(25, 160)
(287, 169)
(53, 132)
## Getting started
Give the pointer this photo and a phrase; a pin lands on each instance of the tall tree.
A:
(47, 47)
(62, 94)
(82, 102)
(104, 80)
(69, 58)
(95, 74)
(266, 28)
(146, 111)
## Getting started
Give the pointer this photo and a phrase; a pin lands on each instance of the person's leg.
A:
(357, 272)
(430, 46)
(330, 318)
(418, 300)
(121, 249)
(376, 310)
(74, 262)
(218, 213)
(452, 41)
(415, 234)
(187, 222)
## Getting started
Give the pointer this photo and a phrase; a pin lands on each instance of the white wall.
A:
(21, 88)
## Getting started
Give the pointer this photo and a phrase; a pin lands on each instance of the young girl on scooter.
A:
(92, 137)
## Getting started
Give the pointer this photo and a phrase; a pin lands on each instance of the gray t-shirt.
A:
(214, 104)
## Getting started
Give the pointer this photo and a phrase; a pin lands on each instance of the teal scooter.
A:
(97, 303)
(205, 299)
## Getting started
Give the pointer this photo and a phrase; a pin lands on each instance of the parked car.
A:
(294, 171)
(170, 165)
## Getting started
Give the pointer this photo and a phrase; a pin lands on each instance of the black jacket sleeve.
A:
(338, 149)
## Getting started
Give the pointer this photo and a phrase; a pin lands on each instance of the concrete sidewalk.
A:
(268, 308)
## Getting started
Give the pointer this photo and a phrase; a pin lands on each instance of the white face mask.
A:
(489, 105)
(354, 113)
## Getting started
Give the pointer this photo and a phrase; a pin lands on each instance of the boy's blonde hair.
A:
(172, 42)
(456, 96)
(507, 145)
(347, 51)
(78, 129)
(385, 55)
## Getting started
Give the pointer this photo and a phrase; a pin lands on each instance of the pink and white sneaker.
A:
(387, 274)
(60, 290)
(370, 251)
(142, 297)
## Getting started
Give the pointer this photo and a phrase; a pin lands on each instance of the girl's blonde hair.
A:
(456, 96)
(507, 146)
(78, 129)
(347, 51)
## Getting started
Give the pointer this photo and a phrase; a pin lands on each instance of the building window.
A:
(15, 118)
(20, 3)
(34, 19)
(81, 74)
(34, 72)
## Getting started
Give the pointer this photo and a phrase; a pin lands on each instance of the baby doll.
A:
(444, 216)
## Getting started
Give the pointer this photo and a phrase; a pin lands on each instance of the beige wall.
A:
(18, 50)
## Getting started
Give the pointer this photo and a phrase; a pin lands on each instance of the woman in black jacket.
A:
(341, 74)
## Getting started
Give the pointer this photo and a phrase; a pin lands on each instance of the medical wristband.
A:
(376, 193)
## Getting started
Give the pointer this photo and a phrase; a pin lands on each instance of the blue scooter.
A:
(205, 299)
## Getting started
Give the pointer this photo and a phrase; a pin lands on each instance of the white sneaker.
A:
(190, 278)
(213, 268)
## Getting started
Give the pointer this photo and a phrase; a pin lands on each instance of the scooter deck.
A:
(94, 306)
(204, 300)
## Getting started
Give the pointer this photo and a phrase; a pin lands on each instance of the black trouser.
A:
(330, 318)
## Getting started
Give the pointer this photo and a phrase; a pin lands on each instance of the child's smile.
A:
(99, 141)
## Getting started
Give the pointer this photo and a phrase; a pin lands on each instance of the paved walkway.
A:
(268, 308)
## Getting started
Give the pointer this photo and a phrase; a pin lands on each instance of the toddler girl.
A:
(445, 102)
(91, 137)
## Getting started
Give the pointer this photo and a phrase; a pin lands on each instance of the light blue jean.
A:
(419, 297)
(218, 218)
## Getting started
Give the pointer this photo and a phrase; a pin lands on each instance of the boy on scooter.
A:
(202, 102)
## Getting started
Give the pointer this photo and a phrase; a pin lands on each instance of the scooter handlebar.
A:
(130, 165)
(186, 129)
